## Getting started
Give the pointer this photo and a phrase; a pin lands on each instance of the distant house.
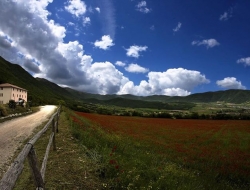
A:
(12, 92)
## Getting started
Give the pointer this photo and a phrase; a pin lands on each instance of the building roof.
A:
(11, 85)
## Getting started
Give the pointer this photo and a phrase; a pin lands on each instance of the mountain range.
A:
(42, 91)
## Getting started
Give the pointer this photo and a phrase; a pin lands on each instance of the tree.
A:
(61, 102)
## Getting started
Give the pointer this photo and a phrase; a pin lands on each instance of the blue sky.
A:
(172, 47)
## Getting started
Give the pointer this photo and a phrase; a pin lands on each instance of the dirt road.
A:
(15, 131)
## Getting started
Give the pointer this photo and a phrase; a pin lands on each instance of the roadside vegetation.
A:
(7, 112)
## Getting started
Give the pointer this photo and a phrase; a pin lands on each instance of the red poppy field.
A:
(221, 147)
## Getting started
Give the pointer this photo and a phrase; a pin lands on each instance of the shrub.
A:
(12, 104)
(3, 111)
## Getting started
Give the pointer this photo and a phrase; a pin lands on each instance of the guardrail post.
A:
(57, 118)
(34, 168)
(54, 131)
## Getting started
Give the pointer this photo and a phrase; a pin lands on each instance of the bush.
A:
(12, 104)
(3, 111)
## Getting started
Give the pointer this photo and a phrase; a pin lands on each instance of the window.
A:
(13, 95)
(1, 88)
(17, 95)
(1, 102)
(1, 94)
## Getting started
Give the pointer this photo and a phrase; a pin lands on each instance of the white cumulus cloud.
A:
(120, 63)
(104, 78)
(209, 43)
(142, 7)
(76, 7)
(179, 82)
(230, 83)
(135, 68)
(98, 9)
(133, 51)
(105, 43)
(86, 21)
(246, 61)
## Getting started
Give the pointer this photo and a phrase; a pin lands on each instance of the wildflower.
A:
(114, 148)
(112, 162)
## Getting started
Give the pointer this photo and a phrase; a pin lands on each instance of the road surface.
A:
(15, 131)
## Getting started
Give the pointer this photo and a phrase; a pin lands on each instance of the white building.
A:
(12, 92)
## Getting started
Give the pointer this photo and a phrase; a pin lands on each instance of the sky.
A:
(151, 47)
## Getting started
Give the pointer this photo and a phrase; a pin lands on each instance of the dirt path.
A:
(15, 131)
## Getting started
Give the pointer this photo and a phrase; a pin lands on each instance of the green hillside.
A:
(229, 96)
(42, 91)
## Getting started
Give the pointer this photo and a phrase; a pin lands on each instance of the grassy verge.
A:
(68, 167)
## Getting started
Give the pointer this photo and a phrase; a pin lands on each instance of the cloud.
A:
(57, 30)
(226, 15)
(86, 21)
(133, 51)
(230, 83)
(4, 41)
(178, 27)
(71, 24)
(107, 16)
(152, 27)
(105, 43)
(135, 68)
(246, 61)
(31, 65)
(120, 63)
(98, 9)
(142, 7)
(179, 82)
(104, 78)
(34, 35)
(76, 7)
(209, 43)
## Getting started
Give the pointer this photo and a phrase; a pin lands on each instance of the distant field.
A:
(217, 150)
